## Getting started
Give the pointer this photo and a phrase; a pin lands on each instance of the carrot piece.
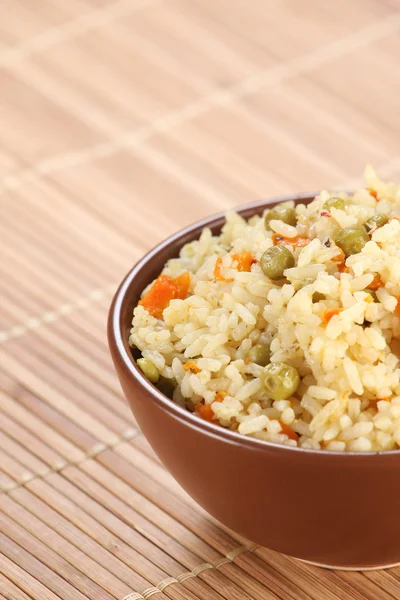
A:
(398, 308)
(182, 284)
(286, 430)
(340, 257)
(218, 275)
(372, 192)
(375, 284)
(302, 241)
(296, 242)
(342, 268)
(218, 270)
(192, 367)
(205, 412)
(328, 314)
(159, 296)
(219, 396)
(244, 260)
(163, 290)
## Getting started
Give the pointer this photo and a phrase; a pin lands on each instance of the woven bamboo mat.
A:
(120, 122)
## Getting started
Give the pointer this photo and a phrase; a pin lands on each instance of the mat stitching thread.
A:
(97, 295)
(68, 31)
(94, 451)
(160, 587)
(249, 85)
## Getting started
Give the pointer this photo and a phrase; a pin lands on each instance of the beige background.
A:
(120, 122)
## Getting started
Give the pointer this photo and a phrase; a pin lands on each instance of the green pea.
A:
(280, 381)
(259, 354)
(167, 386)
(275, 261)
(280, 213)
(335, 203)
(351, 239)
(377, 221)
(317, 297)
(148, 369)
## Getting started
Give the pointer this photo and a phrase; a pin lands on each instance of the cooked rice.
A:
(349, 395)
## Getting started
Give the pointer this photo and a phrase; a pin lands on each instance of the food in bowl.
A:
(286, 327)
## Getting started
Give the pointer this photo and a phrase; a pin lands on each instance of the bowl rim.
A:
(116, 339)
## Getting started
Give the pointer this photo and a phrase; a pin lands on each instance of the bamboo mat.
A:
(120, 122)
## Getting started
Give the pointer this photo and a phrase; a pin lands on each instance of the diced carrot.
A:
(328, 314)
(163, 290)
(372, 192)
(218, 275)
(300, 242)
(218, 269)
(205, 412)
(244, 260)
(159, 295)
(340, 257)
(296, 242)
(192, 367)
(398, 308)
(286, 430)
(375, 284)
(219, 396)
(182, 284)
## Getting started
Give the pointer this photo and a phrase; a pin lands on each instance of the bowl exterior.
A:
(327, 508)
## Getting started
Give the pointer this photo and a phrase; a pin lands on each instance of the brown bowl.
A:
(334, 509)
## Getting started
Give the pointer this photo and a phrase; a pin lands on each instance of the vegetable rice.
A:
(286, 327)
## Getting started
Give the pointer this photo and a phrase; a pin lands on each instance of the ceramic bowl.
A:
(339, 510)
